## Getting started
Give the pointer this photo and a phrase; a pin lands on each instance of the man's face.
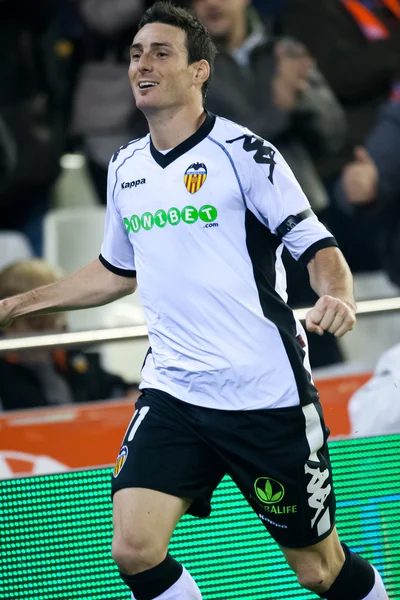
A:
(220, 16)
(159, 72)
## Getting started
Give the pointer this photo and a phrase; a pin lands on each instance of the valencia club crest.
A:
(121, 458)
(195, 177)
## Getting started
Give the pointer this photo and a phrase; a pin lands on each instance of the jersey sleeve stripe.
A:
(225, 151)
(328, 242)
(116, 270)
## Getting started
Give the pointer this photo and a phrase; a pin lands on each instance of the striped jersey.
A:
(202, 228)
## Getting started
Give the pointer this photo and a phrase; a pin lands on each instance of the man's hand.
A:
(360, 178)
(293, 69)
(331, 314)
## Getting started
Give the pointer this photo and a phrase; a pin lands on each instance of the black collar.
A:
(166, 159)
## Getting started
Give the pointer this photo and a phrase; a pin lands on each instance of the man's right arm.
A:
(93, 285)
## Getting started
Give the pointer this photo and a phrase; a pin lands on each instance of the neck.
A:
(171, 127)
(238, 34)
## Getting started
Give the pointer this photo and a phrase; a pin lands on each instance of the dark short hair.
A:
(198, 41)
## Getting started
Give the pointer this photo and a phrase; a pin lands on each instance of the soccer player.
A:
(197, 213)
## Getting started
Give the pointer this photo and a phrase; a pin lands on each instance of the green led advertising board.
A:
(56, 533)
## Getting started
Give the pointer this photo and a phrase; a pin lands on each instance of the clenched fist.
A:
(331, 314)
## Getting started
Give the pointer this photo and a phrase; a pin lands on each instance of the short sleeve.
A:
(275, 197)
(117, 253)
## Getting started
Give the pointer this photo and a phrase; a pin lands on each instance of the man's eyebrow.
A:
(153, 45)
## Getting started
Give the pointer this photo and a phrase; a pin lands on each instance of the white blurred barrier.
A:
(381, 330)
(119, 334)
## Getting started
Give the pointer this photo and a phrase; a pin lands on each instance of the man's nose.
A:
(144, 63)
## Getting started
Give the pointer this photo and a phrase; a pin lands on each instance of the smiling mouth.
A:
(146, 85)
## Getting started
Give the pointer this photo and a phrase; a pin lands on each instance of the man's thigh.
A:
(140, 515)
(161, 451)
(279, 460)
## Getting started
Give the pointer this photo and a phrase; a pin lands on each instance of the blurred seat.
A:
(14, 246)
(73, 238)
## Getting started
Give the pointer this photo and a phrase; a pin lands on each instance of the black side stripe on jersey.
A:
(262, 246)
(115, 155)
(149, 351)
(116, 270)
(291, 221)
(328, 242)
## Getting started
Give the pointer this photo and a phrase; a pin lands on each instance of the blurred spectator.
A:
(104, 112)
(273, 87)
(38, 377)
(374, 409)
(28, 105)
(357, 47)
(7, 155)
(270, 9)
(369, 189)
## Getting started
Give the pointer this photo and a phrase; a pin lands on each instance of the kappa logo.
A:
(263, 154)
(132, 184)
(264, 518)
(318, 494)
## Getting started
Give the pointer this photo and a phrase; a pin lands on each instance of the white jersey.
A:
(201, 228)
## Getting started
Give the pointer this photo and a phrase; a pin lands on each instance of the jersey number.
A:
(263, 154)
(141, 415)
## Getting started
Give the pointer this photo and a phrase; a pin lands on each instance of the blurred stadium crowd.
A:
(320, 80)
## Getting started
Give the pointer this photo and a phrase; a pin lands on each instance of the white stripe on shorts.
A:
(314, 431)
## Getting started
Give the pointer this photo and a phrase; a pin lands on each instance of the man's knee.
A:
(144, 520)
(137, 554)
(353, 578)
(315, 576)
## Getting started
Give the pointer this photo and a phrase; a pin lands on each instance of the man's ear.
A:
(202, 72)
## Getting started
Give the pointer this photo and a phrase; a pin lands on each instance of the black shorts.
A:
(278, 458)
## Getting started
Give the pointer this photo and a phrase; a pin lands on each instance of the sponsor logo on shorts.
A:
(263, 518)
(119, 463)
(268, 490)
(270, 493)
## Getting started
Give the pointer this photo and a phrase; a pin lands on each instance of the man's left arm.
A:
(331, 279)
(276, 199)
